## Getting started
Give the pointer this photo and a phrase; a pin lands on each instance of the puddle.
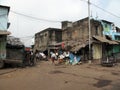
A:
(116, 86)
(113, 73)
(74, 74)
(88, 67)
(102, 83)
(65, 82)
(59, 72)
(56, 72)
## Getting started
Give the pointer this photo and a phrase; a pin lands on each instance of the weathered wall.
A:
(15, 53)
(2, 47)
(79, 30)
(3, 18)
(41, 40)
(3, 27)
(58, 36)
(110, 30)
(97, 51)
(47, 37)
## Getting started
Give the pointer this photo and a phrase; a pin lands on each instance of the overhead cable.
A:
(105, 10)
(36, 18)
(102, 9)
(55, 21)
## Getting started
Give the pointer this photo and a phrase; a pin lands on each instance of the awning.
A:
(75, 45)
(117, 41)
(5, 32)
(104, 40)
(78, 47)
(112, 42)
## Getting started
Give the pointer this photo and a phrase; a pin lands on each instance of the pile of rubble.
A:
(14, 41)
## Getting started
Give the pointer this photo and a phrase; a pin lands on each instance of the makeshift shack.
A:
(14, 51)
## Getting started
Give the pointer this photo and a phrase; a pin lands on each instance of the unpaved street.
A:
(46, 76)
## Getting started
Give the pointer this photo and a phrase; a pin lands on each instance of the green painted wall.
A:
(116, 49)
(2, 47)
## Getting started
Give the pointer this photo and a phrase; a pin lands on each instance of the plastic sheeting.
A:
(74, 59)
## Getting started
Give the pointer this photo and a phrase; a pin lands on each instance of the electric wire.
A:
(36, 18)
(102, 9)
(55, 21)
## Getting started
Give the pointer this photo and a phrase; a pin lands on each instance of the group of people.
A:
(39, 55)
(66, 56)
(29, 58)
(59, 56)
(32, 57)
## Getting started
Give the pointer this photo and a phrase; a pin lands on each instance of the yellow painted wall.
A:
(97, 51)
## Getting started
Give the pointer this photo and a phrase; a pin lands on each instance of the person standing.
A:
(32, 62)
(53, 57)
(67, 54)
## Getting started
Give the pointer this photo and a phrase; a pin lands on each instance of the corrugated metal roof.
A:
(104, 40)
(76, 45)
(117, 41)
(107, 21)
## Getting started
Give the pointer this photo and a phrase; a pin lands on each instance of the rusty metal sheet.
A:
(104, 40)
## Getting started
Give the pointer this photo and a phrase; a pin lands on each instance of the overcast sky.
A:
(56, 10)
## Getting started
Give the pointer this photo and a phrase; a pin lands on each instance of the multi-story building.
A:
(48, 39)
(4, 11)
(109, 29)
(75, 35)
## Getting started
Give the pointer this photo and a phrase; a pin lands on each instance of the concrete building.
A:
(4, 11)
(109, 29)
(75, 35)
(48, 39)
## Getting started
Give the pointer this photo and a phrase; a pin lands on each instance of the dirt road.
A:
(46, 76)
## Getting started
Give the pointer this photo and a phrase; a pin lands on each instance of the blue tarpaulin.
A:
(74, 59)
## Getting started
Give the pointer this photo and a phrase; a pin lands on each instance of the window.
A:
(45, 34)
(117, 37)
(106, 26)
(96, 30)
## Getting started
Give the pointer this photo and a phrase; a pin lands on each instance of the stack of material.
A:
(13, 41)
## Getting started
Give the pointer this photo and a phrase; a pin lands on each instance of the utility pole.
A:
(89, 28)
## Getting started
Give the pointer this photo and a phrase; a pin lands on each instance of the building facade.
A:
(48, 39)
(4, 11)
(14, 50)
(75, 35)
(109, 29)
